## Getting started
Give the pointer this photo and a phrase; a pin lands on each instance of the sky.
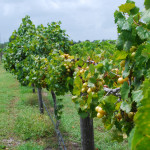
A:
(82, 19)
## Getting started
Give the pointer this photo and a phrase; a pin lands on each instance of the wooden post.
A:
(40, 100)
(87, 133)
(33, 88)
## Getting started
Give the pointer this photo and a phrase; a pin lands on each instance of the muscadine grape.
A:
(83, 90)
(130, 115)
(122, 63)
(67, 67)
(119, 116)
(100, 110)
(87, 67)
(85, 84)
(120, 80)
(93, 93)
(133, 49)
(68, 70)
(82, 71)
(62, 56)
(93, 88)
(96, 108)
(89, 90)
(66, 56)
(133, 54)
(116, 71)
(99, 115)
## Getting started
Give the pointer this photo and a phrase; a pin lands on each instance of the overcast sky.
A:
(82, 19)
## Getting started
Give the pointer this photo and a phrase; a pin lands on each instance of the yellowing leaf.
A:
(119, 55)
(126, 7)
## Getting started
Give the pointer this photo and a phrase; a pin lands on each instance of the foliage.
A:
(134, 40)
(139, 137)
(31, 47)
(87, 48)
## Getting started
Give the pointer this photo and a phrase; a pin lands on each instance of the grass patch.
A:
(30, 124)
(30, 146)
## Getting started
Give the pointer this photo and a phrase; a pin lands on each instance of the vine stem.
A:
(55, 112)
(40, 100)
(114, 92)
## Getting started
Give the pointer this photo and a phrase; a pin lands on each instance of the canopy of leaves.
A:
(141, 137)
(31, 48)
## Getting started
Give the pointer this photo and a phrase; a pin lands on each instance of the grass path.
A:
(9, 90)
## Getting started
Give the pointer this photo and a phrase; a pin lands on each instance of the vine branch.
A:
(114, 92)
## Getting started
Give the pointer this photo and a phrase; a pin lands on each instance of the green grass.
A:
(29, 146)
(20, 120)
(28, 130)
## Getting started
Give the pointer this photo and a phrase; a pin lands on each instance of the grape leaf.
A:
(142, 121)
(109, 104)
(89, 99)
(92, 69)
(107, 123)
(125, 91)
(78, 86)
(125, 106)
(121, 22)
(118, 15)
(137, 96)
(127, 45)
(141, 142)
(119, 55)
(100, 94)
(134, 11)
(128, 24)
(82, 113)
(147, 4)
(146, 15)
(130, 138)
(146, 50)
(120, 42)
(126, 7)
(126, 71)
(143, 33)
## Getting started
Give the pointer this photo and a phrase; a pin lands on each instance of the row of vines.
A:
(106, 81)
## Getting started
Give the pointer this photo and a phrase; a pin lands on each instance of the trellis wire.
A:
(57, 130)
